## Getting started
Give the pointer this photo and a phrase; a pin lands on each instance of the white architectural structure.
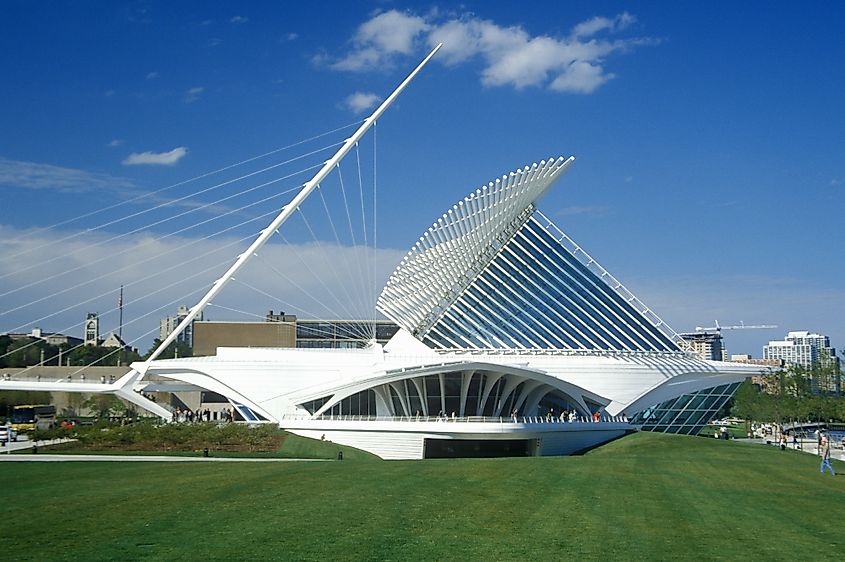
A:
(505, 323)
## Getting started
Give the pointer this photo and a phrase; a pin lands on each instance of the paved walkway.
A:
(806, 446)
(23, 442)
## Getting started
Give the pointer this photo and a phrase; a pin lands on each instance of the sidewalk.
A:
(24, 443)
(806, 445)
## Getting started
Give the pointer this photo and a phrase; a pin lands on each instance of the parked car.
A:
(7, 434)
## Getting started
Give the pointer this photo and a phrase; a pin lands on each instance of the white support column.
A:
(465, 380)
(527, 389)
(419, 384)
(489, 383)
(532, 402)
(442, 394)
(511, 382)
(399, 389)
(383, 396)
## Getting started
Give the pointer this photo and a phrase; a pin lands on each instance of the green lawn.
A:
(645, 496)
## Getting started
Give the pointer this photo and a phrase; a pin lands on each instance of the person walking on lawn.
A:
(824, 453)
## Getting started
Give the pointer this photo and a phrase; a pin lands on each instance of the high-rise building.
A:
(801, 348)
(168, 325)
(707, 345)
(807, 350)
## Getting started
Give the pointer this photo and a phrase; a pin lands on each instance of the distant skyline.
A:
(709, 142)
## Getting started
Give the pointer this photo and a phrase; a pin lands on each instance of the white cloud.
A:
(580, 77)
(466, 38)
(381, 37)
(34, 175)
(193, 94)
(318, 280)
(595, 25)
(152, 75)
(115, 142)
(292, 36)
(360, 101)
(156, 158)
(239, 19)
(511, 56)
(160, 274)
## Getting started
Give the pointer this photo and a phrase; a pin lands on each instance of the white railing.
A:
(544, 420)
(77, 378)
(550, 351)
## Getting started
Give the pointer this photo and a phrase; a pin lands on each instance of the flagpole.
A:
(120, 305)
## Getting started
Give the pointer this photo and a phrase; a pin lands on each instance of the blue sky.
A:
(708, 137)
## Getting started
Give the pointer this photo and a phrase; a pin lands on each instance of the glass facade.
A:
(459, 393)
(535, 294)
(359, 404)
(686, 414)
(342, 334)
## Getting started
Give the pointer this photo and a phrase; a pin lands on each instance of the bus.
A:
(29, 417)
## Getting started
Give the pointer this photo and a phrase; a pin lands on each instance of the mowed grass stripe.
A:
(644, 496)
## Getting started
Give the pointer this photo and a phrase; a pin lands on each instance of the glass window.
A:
(432, 390)
(385, 331)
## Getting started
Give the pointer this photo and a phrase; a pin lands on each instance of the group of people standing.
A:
(200, 415)
(552, 416)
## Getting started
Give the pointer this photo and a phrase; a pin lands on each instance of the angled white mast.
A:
(288, 209)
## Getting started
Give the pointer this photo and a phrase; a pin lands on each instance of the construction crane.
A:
(741, 326)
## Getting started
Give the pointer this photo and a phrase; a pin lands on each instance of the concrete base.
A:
(395, 440)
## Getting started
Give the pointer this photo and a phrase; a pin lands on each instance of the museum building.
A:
(512, 340)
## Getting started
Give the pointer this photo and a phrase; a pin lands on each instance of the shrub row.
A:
(147, 436)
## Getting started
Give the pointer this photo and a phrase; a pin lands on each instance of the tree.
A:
(798, 380)
(794, 393)
(93, 355)
(746, 401)
(28, 351)
(102, 356)
(105, 405)
(175, 349)
(75, 401)
(5, 342)
(825, 375)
